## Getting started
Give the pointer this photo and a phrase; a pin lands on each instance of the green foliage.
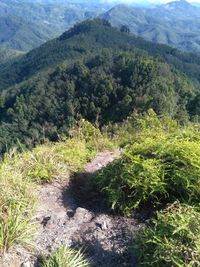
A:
(46, 162)
(160, 166)
(66, 257)
(97, 73)
(17, 205)
(16, 226)
(172, 239)
(95, 140)
(96, 89)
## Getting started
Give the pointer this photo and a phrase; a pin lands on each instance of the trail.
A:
(64, 220)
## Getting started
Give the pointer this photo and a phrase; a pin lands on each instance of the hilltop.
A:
(45, 91)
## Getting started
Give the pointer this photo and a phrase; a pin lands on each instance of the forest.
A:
(98, 73)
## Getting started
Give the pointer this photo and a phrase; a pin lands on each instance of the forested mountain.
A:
(176, 23)
(27, 24)
(96, 72)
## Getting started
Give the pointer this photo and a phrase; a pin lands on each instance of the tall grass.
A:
(173, 239)
(160, 164)
(17, 204)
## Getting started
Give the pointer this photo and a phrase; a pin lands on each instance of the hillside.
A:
(7, 55)
(45, 91)
(81, 202)
(25, 25)
(175, 24)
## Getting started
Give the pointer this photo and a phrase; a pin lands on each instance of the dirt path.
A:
(64, 220)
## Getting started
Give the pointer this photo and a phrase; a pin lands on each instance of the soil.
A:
(64, 219)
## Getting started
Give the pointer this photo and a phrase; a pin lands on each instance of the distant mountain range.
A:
(176, 23)
(25, 25)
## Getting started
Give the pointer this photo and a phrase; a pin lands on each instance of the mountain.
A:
(176, 23)
(25, 25)
(93, 71)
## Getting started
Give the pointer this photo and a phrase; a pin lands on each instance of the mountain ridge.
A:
(176, 23)
(93, 71)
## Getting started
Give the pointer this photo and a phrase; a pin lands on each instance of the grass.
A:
(66, 257)
(173, 239)
(17, 205)
(160, 164)
(20, 173)
(153, 172)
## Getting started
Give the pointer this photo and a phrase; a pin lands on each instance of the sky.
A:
(150, 1)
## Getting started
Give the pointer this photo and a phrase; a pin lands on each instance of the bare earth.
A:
(63, 220)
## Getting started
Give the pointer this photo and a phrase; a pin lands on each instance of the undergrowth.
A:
(153, 169)
(173, 239)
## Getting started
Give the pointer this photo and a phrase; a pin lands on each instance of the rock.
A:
(82, 215)
(27, 264)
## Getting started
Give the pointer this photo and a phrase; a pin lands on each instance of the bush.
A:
(65, 257)
(152, 172)
(172, 240)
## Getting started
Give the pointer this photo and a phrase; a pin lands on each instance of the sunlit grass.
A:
(66, 257)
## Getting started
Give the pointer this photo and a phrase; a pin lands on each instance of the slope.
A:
(175, 24)
(92, 71)
(25, 25)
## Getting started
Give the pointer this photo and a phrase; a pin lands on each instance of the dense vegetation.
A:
(173, 240)
(170, 239)
(89, 73)
(160, 165)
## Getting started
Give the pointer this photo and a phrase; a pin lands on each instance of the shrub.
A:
(66, 257)
(172, 240)
(94, 139)
(152, 172)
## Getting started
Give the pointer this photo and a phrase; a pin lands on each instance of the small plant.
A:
(66, 257)
(172, 240)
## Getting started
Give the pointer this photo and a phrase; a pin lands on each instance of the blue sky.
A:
(150, 1)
